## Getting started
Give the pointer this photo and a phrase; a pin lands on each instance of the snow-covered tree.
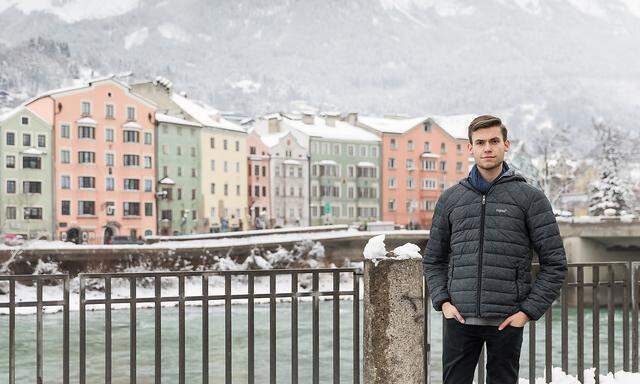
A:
(609, 194)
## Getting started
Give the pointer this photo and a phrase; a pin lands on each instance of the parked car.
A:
(125, 240)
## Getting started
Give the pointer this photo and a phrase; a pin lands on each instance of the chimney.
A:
(274, 125)
(352, 118)
(307, 118)
(330, 120)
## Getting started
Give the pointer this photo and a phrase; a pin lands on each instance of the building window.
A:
(224, 144)
(193, 194)
(179, 150)
(459, 149)
(109, 111)
(85, 108)
(11, 138)
(65, 182)
(179, 171)
(65, 208)
(429, 205)
(166, 214)
(31, 187)
(148, 185)
(391, 205)
(65, 156)
(238, 167)
(85, 157)
(86, 207)
(86, 182)
(147, 162)
(428, 184)
(111, 208)
(11, 213)
(32, 213)
(443, 147)
(148, 209)
(374, 151)
(31, 162)
(392, 182)
(110, 184)
(65, 131)
(213, 188)
(410, 165)
(252, 150)
(193, 151)
(131, 136)
(237, 146)
(131, 209)
(391, 163)
(148, 138)
(11, 186)
(131, 113)
(410, 183)
(109, 159)
(212, 142)
(24, 120)
(109, 135)
(429, 165)
(131, 160)
(42, 141)
(193, 172)
(86, 132)
(393, 144)
(443, 166)
(26, 139)
(237, 190)
(459, 166)
(10, 161)
(131, 184)
(225, 168)
(226, 189)
(410, 145)
(426, 147)
(179, 193)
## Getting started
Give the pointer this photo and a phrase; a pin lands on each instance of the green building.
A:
(26, 175)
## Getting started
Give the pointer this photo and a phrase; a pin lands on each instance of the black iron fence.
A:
(608, 287)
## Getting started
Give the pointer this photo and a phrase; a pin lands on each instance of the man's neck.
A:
(490, 174)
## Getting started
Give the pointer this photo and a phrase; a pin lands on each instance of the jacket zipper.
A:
(480, 261)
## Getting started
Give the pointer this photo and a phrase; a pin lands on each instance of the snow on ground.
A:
(560, 377)
(376, 251)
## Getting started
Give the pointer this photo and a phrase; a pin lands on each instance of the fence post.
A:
(393, 321)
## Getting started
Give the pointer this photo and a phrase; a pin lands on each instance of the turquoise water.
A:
(25, 344)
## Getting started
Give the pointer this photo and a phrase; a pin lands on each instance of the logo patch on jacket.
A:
(501, 210)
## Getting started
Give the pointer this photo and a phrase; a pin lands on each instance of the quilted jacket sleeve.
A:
(547, 243)
(435, 260)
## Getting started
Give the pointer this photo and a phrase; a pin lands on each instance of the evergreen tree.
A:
(610, 191)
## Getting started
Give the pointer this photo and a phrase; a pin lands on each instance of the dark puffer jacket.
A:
(479, 252)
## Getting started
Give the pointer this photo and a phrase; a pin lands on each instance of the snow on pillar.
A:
(393, 314)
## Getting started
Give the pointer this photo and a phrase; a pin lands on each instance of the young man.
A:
(478, 260)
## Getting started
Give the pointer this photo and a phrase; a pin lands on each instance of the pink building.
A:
(420, 159)
(104, 143)
(258, 166)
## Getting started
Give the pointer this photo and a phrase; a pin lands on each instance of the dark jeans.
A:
(461, 351)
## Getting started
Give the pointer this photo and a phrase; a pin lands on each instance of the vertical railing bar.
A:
(250, 330)
(532, 351)
(65, 331)
(132, 331)
(315, 329)
(548, 343)
(83, 333)
(294, 328)
(356, 328)
(580, 336)
(272, 328)
(426, 355)
(595, 310)
(12, 331)
(39, 332)
(107, 330)
(181, 331)
(157, 283)
(336, 327)
(611, 321)
(565, 325)
(634, 319)
(205, 329)
(626, 290)
(227, 329)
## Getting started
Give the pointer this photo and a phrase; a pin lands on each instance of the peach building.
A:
(104, 161)
(420, 159)
(258, 188)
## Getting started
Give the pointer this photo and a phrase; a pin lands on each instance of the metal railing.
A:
(619, 282)
(611, 287)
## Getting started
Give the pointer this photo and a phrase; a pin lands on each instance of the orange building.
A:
(421, 157)
(104, 160)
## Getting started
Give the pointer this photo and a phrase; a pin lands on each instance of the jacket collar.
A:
(510, 175)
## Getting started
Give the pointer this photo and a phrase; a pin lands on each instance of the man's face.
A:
(488, 147)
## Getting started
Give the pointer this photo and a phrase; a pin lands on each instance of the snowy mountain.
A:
(537, 63)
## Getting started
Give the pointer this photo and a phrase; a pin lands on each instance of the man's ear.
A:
(507, 143)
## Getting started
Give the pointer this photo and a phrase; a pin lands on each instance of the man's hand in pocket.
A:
(450, 311)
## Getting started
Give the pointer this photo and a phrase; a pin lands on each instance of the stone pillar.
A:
(393, 322)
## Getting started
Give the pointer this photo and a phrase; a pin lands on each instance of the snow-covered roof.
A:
(163, 118)
(429, 154)
(390, 125)
(456, 125)
(341, 130)
(131, 125)
(328, 162)
(166, 181)
(272, 139)
(365, 164)
(204, 114)
(291, 162)
(87, 121)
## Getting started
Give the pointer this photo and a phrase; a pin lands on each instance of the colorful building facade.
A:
(104, 161)
(26, 190)
(259, 187)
